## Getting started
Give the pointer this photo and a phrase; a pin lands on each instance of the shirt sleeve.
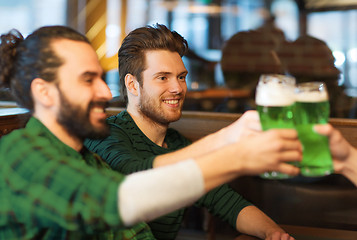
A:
(120, 152)
(46, 188)
(224, 203)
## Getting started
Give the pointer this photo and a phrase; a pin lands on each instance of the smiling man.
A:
(162, 97)
(47, 176)
(153, 82)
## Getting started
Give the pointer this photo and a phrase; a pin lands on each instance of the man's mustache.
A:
(102, 104)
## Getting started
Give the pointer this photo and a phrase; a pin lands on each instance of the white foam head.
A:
(274, 94)
(311, 92)
(314, 96)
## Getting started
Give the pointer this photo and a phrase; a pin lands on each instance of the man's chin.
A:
(98, 122)
(173, 118)
(99, 133)
(99, 130)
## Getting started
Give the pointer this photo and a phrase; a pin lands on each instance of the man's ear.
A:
(43, 92)
(131, 84)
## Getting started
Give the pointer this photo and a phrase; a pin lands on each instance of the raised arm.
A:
(122, 152)
(248, 124)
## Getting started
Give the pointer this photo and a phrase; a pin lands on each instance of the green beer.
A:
(312, 107)
(276, 116)
(275, 104)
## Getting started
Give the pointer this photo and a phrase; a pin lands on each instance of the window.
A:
(26, 16)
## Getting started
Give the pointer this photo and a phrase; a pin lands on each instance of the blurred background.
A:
(232, 42)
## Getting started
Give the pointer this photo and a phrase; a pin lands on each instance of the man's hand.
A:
(270, 151)
(252, 221)
(344, 155)
(279, 236)
(339, 147)
(248, 124)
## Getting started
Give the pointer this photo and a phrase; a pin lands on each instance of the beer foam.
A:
(311, 96)
(274, 94)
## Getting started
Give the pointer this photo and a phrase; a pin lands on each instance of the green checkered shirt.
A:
(50, 191)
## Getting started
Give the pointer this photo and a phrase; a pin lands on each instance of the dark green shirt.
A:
(50, 191)
(128, 150)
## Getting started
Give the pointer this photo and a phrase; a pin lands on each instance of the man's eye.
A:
(162, 78)
(88, 80)
(183, 78)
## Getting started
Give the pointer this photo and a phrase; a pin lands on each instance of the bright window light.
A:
(339, 58)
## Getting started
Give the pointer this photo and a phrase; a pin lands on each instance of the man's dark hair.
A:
(22, 60)
(132, 51)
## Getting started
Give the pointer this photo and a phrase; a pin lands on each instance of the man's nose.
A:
(102, 90)
(175, 86)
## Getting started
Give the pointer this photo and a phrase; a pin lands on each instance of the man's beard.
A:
(76, 120)
(150, 110)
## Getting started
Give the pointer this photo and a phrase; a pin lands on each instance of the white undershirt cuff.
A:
(146, 195)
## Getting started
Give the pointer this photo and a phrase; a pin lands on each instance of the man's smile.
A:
(172, 101)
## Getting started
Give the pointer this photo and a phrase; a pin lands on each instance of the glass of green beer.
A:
(275, 100)
(312, 107)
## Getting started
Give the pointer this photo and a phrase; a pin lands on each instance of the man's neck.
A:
(154, 131)
(51, 123)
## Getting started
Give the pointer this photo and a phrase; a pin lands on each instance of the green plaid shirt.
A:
(50, 191)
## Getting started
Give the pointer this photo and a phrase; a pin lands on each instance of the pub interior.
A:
(232, 43)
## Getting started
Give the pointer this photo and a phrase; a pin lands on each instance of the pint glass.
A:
(312, 107)
(275, 102)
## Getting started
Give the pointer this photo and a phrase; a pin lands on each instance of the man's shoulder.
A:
(122, 126)
(18, 141)
(16, 137)
(121, 119)
(35, 137)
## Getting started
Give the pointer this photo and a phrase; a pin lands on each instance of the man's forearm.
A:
(203, 146)
(146, 195)
(248, 124)
(250, 217)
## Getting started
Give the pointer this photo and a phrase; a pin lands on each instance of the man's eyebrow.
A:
(184, 72)
(162, 73)
(90, 74)
(168, 73)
